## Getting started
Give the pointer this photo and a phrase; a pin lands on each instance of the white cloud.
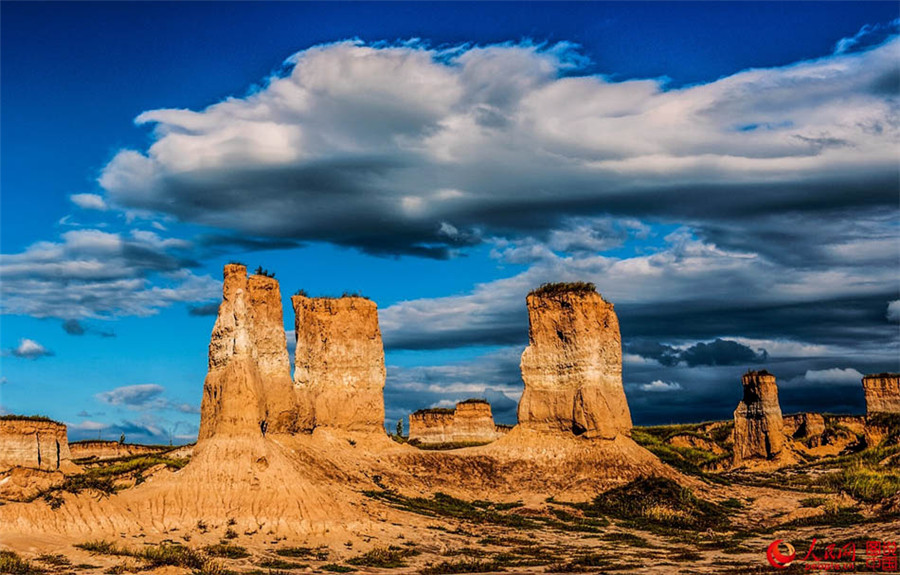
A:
(89, 201)
(29, 349)
(893, 311)
(659, 386)
(132, 395)
(836, 375)
(359, 145)
(93, 273)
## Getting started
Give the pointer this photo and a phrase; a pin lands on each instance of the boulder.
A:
(758, 424)
(339, 362)
(572, 367)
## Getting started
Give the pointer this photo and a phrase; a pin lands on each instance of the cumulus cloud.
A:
(89, 201)
(893, 311)
(93, 273)
(659, 386)
(835, 376)
(410, 150)
(148, 396)
(29, 349)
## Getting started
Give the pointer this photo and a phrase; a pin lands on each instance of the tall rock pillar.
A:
(758, 425)
(882, 393)
(233, 398)
(339, 362)
(572, 367)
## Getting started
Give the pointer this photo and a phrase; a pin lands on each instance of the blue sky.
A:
(725, 172)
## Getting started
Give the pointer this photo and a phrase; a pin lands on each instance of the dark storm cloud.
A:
(717, 352)
(77, 328)
(206, 309)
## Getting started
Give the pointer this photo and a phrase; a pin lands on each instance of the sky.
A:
(725, 173)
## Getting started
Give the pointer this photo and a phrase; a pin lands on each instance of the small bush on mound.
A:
(101, 547)
(176, 555)
(335, 568)
(443, 505)
(558, 288)
(12, 564)
(463, 566)
(656, 502)
(384, 557)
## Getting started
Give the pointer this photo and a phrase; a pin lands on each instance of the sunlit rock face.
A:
(272, 359)
(758, 424)
(234, 402)
(471, 421)
(882, 393)
(572, 367)
(431, 426)
(34, 444)
(339, 362)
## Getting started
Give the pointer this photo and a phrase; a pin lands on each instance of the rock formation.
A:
(267, 319)
(470, 422)
(572, 367)
(808, 427)
(247, 391)
(431, 426)
(882, 393)
(36, 443)
(473, 422)
(758, 425)
(339, 361)
(98, 449)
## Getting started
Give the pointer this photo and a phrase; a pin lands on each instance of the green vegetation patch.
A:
(226, 551)
(14, 417)
(384, 557)
(12, 564)
(443, 505)
(559, 288)
(463, 566)
(654, 502)
(319, 553)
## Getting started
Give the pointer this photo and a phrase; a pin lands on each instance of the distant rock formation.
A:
(431, 426)
(807, 427)
(572, 367)
(758, 425)
(882, 393)
(339, 361)
(35, 443)
(248, 389)
(470, 422)
(98, 449)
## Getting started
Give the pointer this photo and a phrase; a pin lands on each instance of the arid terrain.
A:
(295, 473)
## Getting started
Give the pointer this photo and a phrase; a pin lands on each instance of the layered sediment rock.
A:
(572, 367)
(758, 424)
(473, 422)
(97, 449)
(431, 426)
(234, 402)
(339, 361)
(267, 319)
(34, 443)
(809, 427)
(470, 422)
(882, 393)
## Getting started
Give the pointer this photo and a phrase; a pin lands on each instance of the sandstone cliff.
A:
(882, 393)
(34, 443)
(808, 427)
(267, 319)
(473, 422)
(97, 449)
(234, 402)
(470, 422)
(758, 425)
(572, 367)
(339, 361)
(431, 426)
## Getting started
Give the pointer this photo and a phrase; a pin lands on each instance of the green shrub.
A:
(12, 564)
(384, 557)
(558, 288)
(227, 551)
